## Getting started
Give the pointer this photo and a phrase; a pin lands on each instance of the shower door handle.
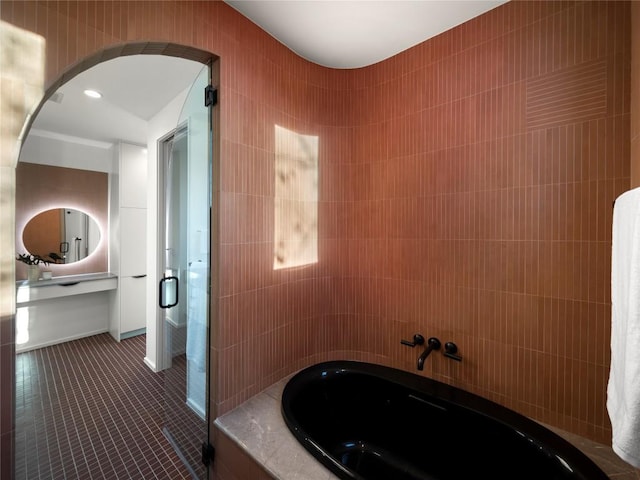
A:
(167, 297)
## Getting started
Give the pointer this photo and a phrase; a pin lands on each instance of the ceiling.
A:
(356, 33)
(339, 34)
(133, 88)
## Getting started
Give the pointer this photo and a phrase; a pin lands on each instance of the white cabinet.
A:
(132, 310)
(133, 176)
(133, 237)
(127, 240)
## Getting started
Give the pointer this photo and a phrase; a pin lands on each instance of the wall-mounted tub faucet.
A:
(432, 344)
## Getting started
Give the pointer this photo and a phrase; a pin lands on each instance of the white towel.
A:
(623, 391)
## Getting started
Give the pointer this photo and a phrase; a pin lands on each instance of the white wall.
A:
(162, 123)
(70, 152)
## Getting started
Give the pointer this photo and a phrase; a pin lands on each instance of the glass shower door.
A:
(184, 288)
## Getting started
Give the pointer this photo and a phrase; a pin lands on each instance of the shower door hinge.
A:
(208, 454)
(210, 96)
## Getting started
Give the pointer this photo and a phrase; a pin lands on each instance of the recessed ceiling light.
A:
(93, 93)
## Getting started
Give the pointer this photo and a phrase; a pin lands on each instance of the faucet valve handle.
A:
(451, 350)
(434, 343)
(417, 340)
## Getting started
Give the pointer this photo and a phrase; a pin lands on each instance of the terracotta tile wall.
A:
(450, 201)
(233, 463)
(265, 314)
(20, 85)
(474, 190)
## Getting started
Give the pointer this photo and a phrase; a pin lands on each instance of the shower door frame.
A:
(164, 360)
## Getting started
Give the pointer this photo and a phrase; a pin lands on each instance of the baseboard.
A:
(150, 364)
(60, 340)
(132, 333)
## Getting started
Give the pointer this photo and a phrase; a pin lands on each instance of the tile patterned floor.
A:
(187, 429)
(91, 409)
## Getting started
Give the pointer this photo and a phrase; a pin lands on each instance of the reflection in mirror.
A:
(63, 235)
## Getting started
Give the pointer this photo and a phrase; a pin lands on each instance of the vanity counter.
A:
(64, 286)
(61, 309)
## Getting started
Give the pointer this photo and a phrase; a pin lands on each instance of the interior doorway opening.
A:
(109, 152)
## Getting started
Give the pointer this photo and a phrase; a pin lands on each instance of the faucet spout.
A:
(432, 344)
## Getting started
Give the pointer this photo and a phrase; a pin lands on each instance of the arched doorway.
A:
(154, 331)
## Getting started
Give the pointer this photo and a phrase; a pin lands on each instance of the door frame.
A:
(174, 168)
(163, 154)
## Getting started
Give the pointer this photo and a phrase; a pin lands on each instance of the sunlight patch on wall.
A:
(21, 81)
(22, 55)
(296, 199)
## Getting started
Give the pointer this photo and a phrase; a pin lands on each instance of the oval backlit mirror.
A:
(61, 235)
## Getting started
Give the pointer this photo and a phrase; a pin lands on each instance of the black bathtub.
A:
(366, 421)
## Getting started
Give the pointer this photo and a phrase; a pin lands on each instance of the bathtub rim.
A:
(552, 442)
